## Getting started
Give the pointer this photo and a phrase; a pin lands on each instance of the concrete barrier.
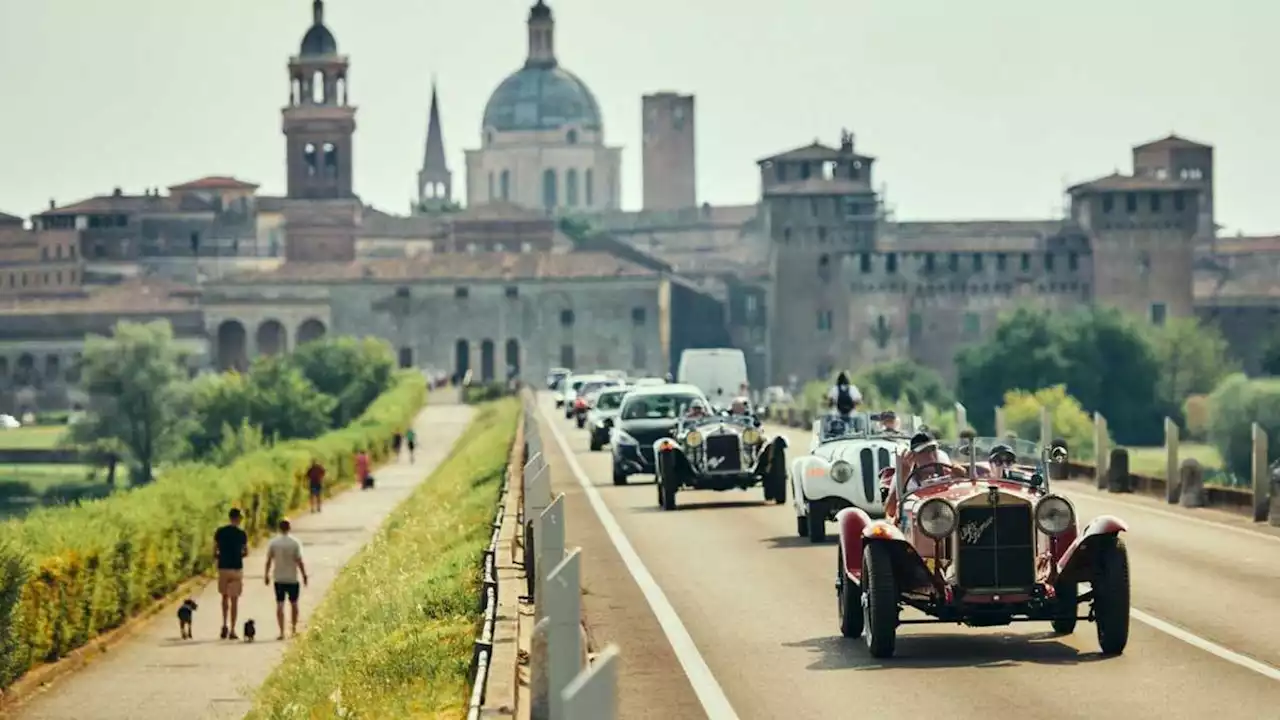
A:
(1191, 491)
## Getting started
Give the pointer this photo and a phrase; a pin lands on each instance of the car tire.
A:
(775, 481)
(1067, 610)
(666, 481)
(595, 446)
(880, 600)
(802, 525)
(619, 477)
(582, 422)
(816, 522)
(1111, 595)
(849, 601)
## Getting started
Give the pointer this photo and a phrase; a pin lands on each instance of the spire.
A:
(435, 181)
(542, 48)
(317, 11)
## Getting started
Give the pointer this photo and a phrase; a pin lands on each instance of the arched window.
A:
(571, 187)
(506, 184)
(549, 198)
(589, 188)
(309, 156)
(330, 160)
(317, 88)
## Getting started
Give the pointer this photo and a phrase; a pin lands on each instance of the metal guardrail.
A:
(482, 651)
(565, 683)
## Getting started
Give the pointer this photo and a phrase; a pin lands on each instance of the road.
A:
(759, 605)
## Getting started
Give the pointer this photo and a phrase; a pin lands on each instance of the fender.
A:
(1076, 564)
(813, 467)
(852, 523)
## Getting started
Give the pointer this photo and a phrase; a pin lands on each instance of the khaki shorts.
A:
(230, 582)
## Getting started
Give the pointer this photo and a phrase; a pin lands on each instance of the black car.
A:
(648, 414)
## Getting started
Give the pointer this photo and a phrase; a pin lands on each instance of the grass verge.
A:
(33, 437)
(393, 636)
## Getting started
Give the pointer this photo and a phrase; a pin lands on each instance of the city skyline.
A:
(960, 147)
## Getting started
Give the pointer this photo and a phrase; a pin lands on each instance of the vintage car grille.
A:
(727, 448)
(996, 547)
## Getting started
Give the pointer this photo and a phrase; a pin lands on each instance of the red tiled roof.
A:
(113, 204)
(1173, 142)
(136, 297)
(215, 182)
(1118, 182)
(458, 266)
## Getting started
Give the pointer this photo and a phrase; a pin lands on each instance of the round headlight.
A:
(693, 438)
(750, 436)
(1054, 515)
(937, 518)
(841, 471)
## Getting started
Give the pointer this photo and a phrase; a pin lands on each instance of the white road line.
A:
(710, 694)
(1181, 517)
(1208, 646)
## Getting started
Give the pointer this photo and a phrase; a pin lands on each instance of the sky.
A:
(984, 109)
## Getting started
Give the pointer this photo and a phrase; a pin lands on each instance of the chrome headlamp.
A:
(751, 436)
(694, 438)
(841, 471)
(936, 518)
(1054, 515)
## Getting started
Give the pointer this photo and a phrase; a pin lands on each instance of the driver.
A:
(889, 421)
(696, 410)
(739, 407)
(844, 396)
(923, 455)
(1001, 459)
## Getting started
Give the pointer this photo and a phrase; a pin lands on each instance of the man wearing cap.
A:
(926, 456)
(230, 546)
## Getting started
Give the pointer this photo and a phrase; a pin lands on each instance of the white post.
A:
(1000, 428)
(1172, 476)
(564, 636)
(1046, 426)
(1261, 475)
(1101, 452)
(539, 699)
(962, 419)
(593, 695)
(548, 543)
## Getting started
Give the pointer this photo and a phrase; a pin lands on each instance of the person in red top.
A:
(315, 479)
(362, 468)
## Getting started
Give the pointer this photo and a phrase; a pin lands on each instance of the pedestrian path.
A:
(155, 675)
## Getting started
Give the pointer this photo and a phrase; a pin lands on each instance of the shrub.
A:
(486, 392)
(393, 636)
(1195, 415)
(1234, 406)
(67, 574)
(1070, 422)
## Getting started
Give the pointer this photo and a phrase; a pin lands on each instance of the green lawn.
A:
(1151, 460)
(24, 487)
(35, 437)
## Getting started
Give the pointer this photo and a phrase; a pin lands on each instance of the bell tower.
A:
(321, 211)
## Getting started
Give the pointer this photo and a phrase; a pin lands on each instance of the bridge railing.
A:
(566, 684)
(482, 649)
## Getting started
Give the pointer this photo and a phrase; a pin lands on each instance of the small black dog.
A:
(184, 617)
(249, 630)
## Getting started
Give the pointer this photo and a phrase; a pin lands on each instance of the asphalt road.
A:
(759, 605)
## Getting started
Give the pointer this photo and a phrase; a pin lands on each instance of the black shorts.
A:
(289, 590)
(316, 489)
(412, 444)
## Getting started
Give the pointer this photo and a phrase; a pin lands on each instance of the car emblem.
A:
(715, 461)
(972, 532)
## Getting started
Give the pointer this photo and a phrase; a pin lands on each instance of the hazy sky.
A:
(976, 109)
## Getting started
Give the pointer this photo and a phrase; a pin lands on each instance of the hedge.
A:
(70, 573)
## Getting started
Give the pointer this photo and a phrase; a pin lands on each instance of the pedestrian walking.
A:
(230, 546)
(411, 438)
(396, 441)
(315, 482)
(284, 556)
(362, 469)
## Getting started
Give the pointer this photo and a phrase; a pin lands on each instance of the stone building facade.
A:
(38, 262)
(542, 138)
(668, 151)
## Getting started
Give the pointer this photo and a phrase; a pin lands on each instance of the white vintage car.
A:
(842, 470)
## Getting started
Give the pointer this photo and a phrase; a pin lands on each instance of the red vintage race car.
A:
(980, 547)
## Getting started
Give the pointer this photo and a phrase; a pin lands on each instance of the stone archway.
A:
(461, 358)
(24, 374)
(513, 357)
(233, 346)
(486, 361)
(272, 338)
(310, 329)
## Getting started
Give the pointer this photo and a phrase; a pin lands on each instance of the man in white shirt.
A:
(844, 396)
(284, 553)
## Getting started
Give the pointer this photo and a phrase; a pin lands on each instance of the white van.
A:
(720, 373)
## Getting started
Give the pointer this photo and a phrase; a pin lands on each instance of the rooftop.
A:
(1117, 182)
(135, 297)
(1173, 142)
(215, 182)
(457, 266)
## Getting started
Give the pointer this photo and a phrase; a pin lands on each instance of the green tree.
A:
(1069, 420)
(1234, 407)
(1192, 358)
(220, 403)
(137, 384)
(284, 403)
(352, 371)
(1271, 356)
(915, 383)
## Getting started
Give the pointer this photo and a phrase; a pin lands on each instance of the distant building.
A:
(669, 152)
(542, 140)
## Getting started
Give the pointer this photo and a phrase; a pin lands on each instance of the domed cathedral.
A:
(321, 210)
(542, 140)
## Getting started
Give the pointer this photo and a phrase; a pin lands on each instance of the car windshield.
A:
(610, 400)
(595, 386)
(1027, 452)
(655, 407)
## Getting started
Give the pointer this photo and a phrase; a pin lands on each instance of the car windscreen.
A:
(610, 400)
(595, 386)
(656, 407)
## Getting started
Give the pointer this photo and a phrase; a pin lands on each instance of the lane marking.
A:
(1179, 633)
(1208, 646)
(714, 701)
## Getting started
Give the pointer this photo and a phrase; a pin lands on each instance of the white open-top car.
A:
(843, 468)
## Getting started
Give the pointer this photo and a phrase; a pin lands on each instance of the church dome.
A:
(542, 97)
(318, 42)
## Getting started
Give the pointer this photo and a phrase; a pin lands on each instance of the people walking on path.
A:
(362, 468)
(397, 440)
(411, 439)
(230, 547)
(284, 555)
(315, 481)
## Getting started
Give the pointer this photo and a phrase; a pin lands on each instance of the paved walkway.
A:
(155, 675)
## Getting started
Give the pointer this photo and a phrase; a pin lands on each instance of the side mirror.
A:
(1037, 480)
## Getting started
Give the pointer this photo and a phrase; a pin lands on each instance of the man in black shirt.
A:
(230, 546)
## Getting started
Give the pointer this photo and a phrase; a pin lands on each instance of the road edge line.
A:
(712, 697)
(1209, 646)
